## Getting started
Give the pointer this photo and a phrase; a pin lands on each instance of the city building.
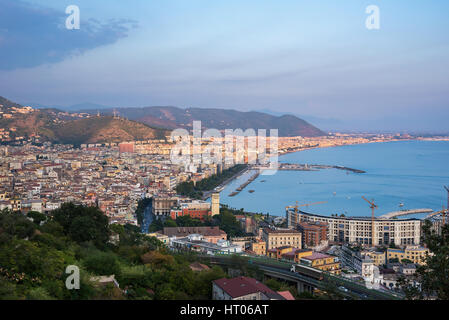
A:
(259, 247)
(322, 261)
(378, 258)
(162, 206)
(358, 229)
(210, 234)
(126, 147)
(361, 262)
(215, 203)
(280, 238)
(242, 288)
(416, 254)
(313, 233)
(197, 243)
(195, 209)
(277, 253)
(161, 237)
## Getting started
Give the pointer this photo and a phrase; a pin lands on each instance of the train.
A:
(307, 271)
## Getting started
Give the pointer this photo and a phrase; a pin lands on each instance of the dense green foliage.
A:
(83, 224)
(433, 275)
(34, 257)
(195, 191)
(277, 285)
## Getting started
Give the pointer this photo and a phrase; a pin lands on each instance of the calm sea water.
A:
(408, 172)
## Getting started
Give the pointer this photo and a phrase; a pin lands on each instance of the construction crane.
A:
(373, 207)
(433, 214)
(303, 205)
(444, 214)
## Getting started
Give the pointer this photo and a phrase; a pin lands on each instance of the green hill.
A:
(104, 130)
(61, 127)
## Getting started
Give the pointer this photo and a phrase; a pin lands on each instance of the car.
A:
(343, 289)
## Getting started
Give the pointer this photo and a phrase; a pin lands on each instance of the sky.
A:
(315, 59)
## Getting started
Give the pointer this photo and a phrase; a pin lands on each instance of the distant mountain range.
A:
(55, 125)
(221, 119)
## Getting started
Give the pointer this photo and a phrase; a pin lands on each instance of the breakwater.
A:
(243, 186)
(308, 167)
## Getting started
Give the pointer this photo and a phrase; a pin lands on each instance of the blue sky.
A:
(312, 58)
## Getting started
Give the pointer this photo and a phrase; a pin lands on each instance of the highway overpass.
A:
(281, 270)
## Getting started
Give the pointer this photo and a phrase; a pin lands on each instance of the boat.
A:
(251, 191)
(401, 204)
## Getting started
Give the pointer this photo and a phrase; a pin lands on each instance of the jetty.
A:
(405, 213)
(244, 185)
(308, 167)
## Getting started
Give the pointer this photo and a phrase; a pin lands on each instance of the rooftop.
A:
(242, 286)
(185, 231)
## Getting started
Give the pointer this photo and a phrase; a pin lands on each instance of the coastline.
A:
(222, 185)
(249, 167)
(254, 206)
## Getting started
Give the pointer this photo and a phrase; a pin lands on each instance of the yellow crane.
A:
(444, 214)
(433, 214)
(303, 205)
(373, 207)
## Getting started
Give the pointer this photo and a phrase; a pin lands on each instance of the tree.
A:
(103, 263)
(228, 223)
(156, 225)
(37, 217)
(83, 224)
(14, 224)
(187, 221)
(170, 223)
(433, 275)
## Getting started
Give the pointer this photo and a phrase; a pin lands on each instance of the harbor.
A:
(288, 167)
(393, 184)
(244, 185)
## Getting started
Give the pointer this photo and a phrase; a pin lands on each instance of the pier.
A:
(308, 167)
(405, 213)
(244, 185)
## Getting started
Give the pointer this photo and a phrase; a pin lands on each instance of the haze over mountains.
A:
(52, 124)
(71, 128)
(174, 117)
(221, 119)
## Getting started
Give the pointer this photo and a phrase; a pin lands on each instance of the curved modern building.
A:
(401, 232)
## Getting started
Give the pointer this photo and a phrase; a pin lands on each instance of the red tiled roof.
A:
(287, 295)
(242, 286)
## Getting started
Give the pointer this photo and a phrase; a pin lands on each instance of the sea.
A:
(400, 175)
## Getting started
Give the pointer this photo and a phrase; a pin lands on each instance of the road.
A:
(283, 269)
(147, 218)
